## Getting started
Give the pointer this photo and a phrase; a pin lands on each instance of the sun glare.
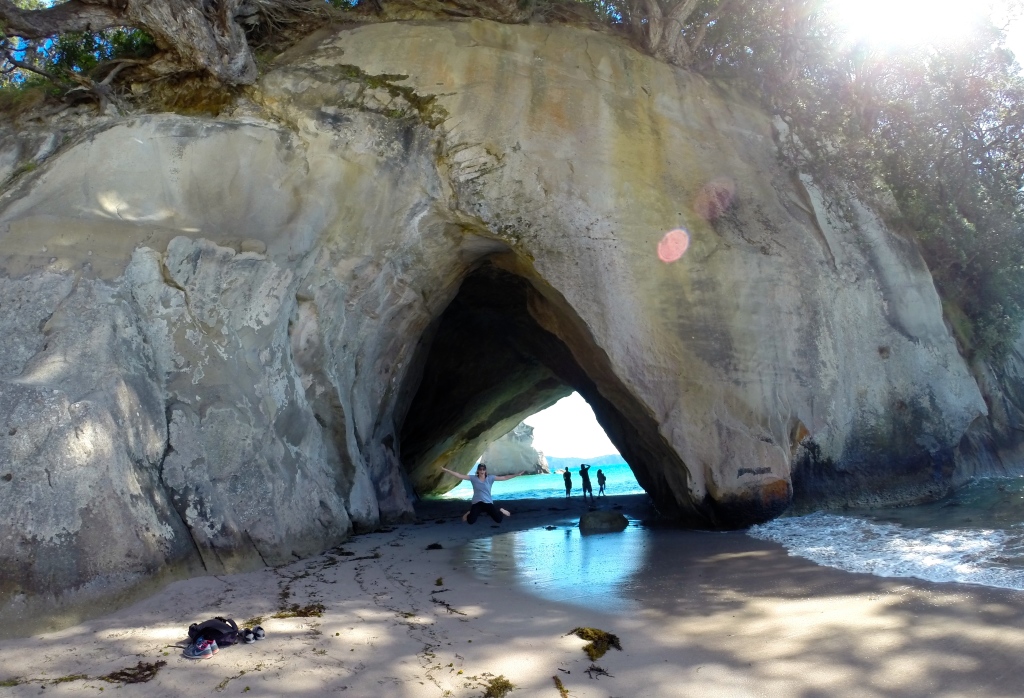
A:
(569, 429)
(906, 22)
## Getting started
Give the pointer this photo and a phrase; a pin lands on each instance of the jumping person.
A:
(601, 479)
(567, 476)
(587, 487)
(482, 502)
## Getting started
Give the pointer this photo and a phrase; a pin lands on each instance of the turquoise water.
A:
(620, 481)
(975, 536)
(563, 565)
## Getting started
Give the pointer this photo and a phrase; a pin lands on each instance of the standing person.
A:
(482, 502)
(587, 487)
(567, 476)
(601, 479)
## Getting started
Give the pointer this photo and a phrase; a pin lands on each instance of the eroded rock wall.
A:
(194, 243)
(994, 444)
(215, 330)
(83, 437)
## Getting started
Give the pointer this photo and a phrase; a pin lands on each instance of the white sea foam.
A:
(971, 556)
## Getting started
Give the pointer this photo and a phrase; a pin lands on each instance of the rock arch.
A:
(507, 346)
(256, 308)
(504, 348)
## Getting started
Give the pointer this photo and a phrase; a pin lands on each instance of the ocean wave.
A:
(968, 556)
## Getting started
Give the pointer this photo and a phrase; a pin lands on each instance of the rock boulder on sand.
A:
(602, 521)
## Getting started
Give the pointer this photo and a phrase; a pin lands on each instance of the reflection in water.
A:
(648, 566)
(561, 564)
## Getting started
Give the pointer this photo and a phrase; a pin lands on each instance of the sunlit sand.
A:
(697, 613)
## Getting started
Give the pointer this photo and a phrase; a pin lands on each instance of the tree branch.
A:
(698, 37)
(204, 36)
(672, 46)
(22, 65)
(119, 65)
(73, 16)
(680, 12)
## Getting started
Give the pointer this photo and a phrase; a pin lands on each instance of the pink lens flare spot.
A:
(714, 198)
(673, 245)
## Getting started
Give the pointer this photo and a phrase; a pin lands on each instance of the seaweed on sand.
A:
(69, 678)
(140, 673)
(598, 641)
(498, 687)
(313, 610)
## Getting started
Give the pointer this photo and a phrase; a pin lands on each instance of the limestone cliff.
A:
(228, 342)
(514, 453)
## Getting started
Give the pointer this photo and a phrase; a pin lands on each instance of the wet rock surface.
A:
(602, 521)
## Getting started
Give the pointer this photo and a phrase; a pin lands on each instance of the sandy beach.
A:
(697, 614)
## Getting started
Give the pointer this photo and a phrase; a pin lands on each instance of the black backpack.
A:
(223, 631)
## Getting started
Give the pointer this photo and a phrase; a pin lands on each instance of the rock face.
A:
(514, 453)
(229, 342)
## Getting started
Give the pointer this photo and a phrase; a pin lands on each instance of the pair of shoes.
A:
(248, 637)
(201, 649)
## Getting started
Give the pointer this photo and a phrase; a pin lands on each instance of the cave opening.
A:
(506, 347)
(545, 445)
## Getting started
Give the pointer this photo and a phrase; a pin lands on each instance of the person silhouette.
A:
(482, 502)
(567, 476)
(587, 487)
(601, 479)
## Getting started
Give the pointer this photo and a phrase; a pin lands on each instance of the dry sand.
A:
(698, 614)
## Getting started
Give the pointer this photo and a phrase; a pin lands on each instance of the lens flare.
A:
(673, 245)
(714, 198)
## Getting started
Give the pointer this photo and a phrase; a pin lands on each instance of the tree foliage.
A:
(213, 37)
(941, 130)
(949, 134)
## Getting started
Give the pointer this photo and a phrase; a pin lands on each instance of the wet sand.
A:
(698, 614)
